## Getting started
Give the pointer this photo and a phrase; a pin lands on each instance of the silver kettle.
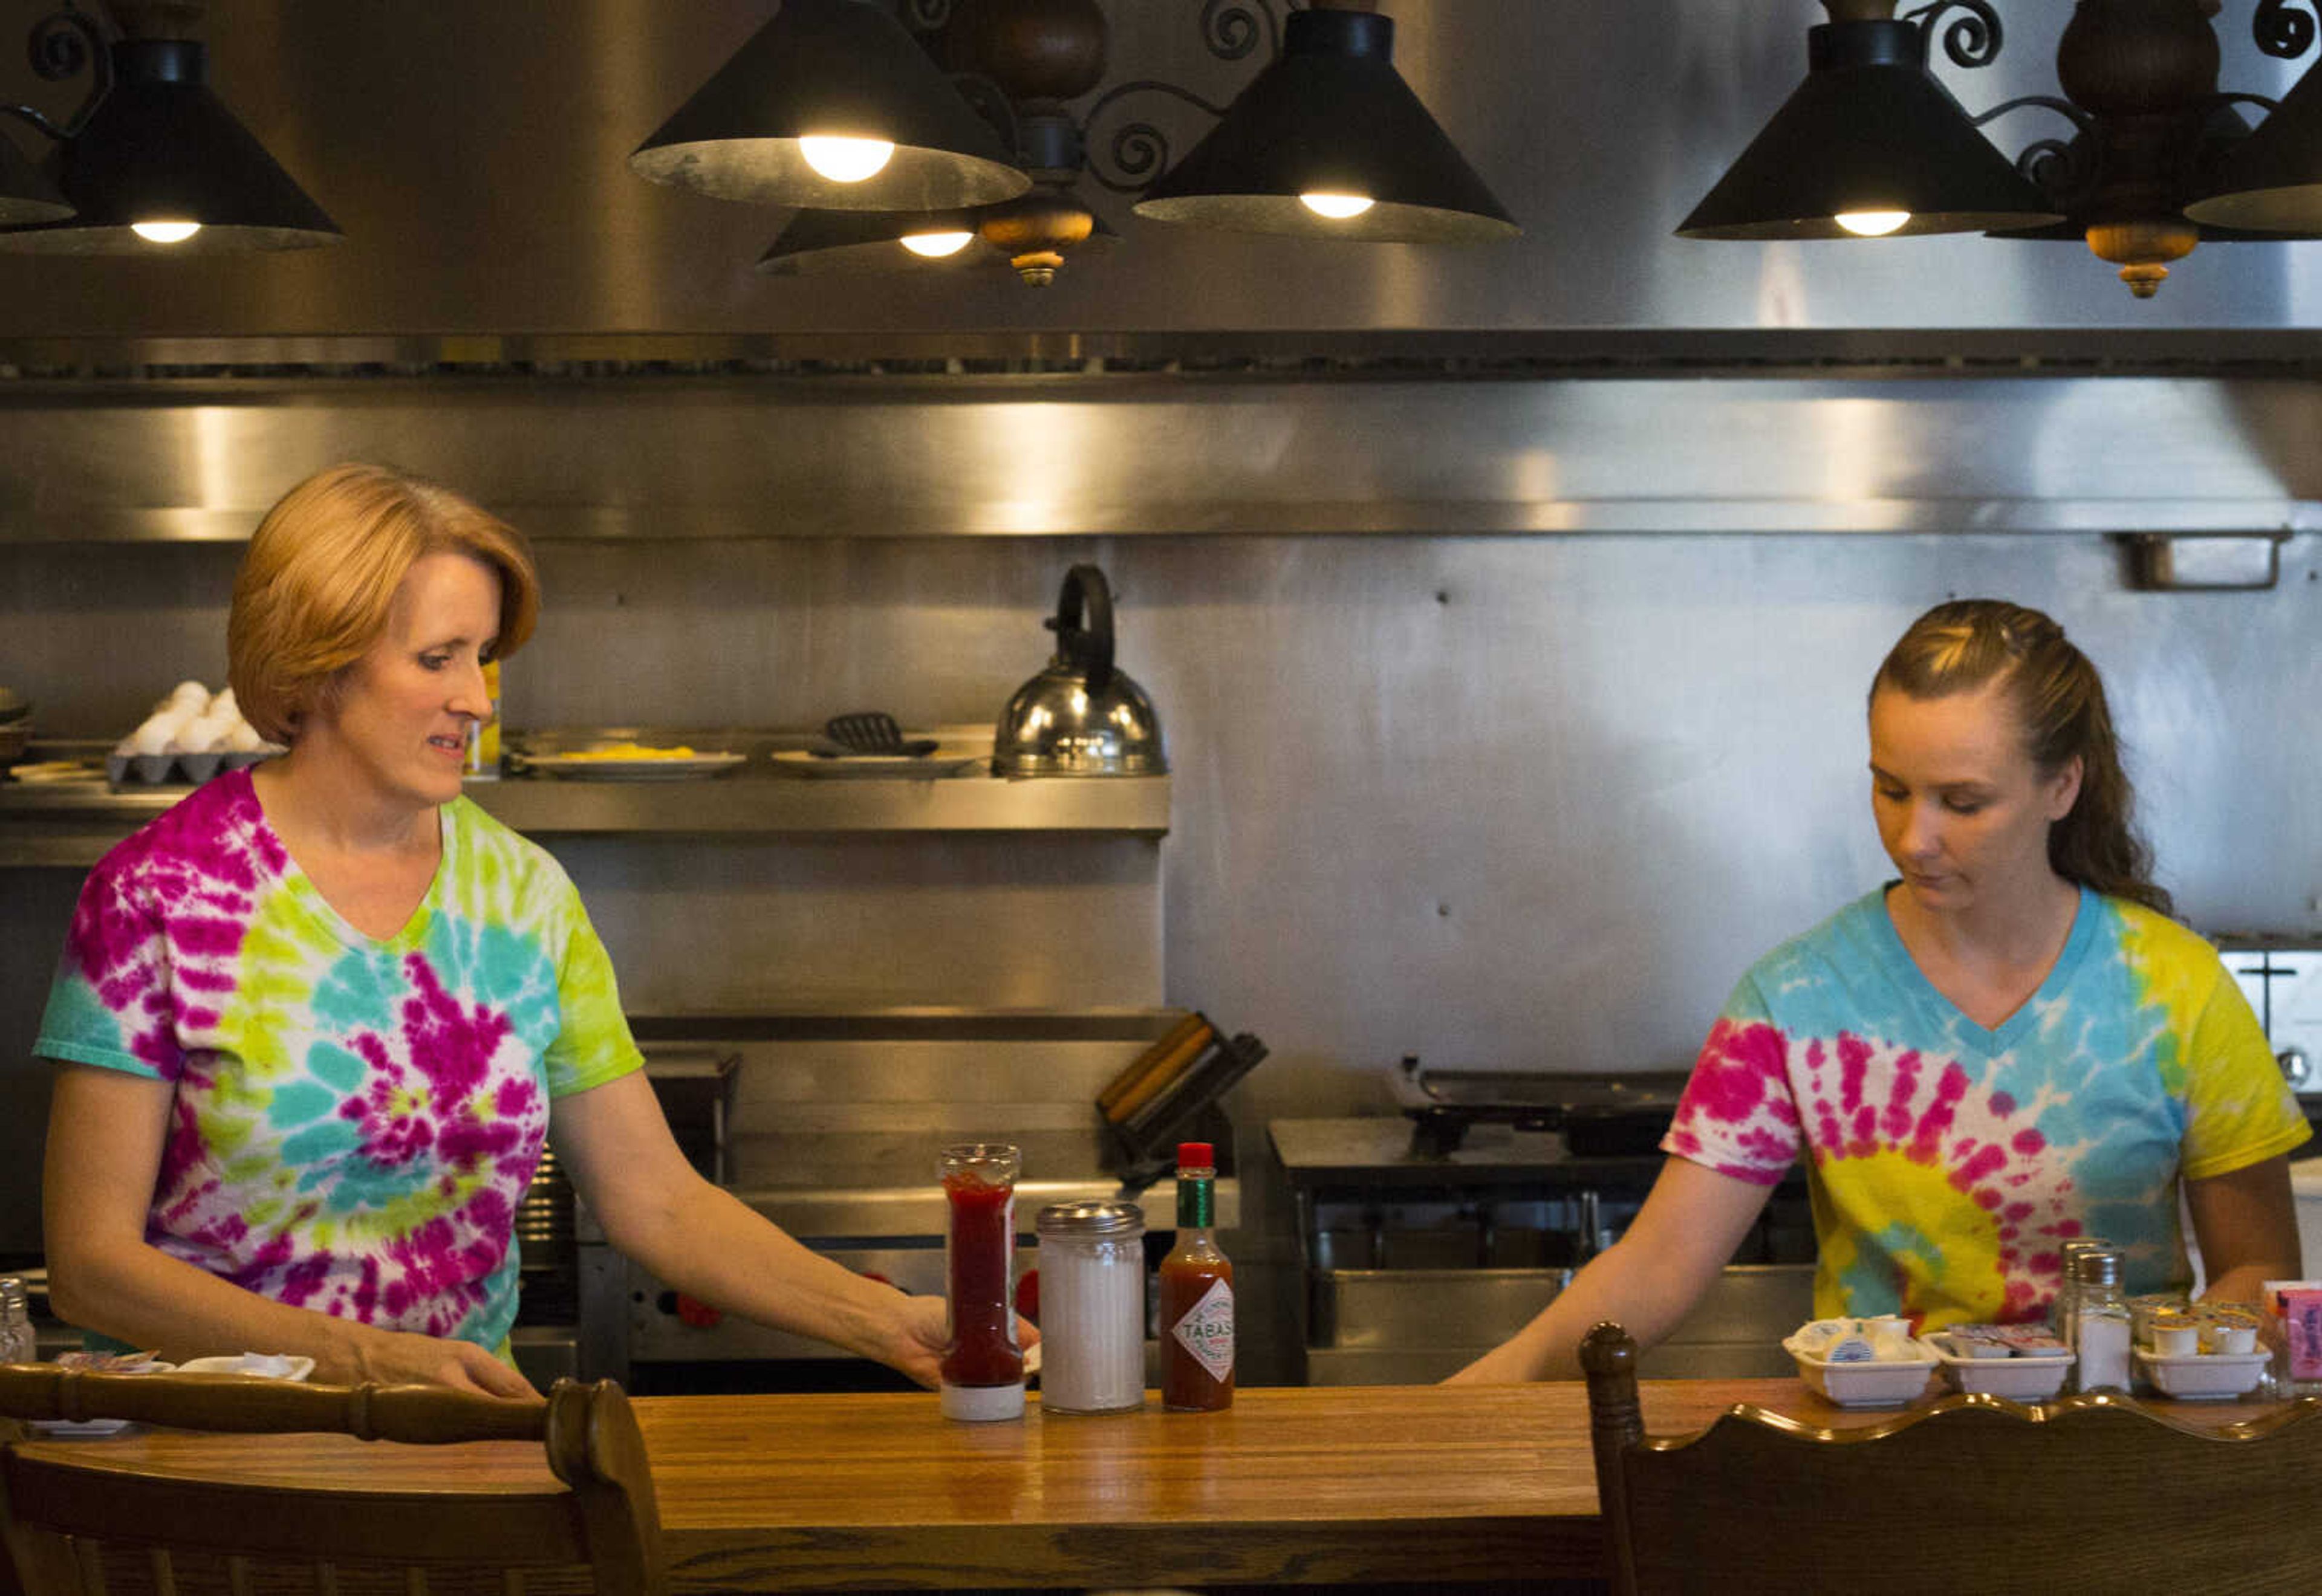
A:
(1080, 716)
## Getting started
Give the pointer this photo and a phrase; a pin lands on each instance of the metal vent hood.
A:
(475, 155)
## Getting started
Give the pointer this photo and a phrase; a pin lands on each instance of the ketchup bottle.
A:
(1196, 1319)
(983, 1368)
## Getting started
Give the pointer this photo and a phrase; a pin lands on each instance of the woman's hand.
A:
(395, 1357)
(917, 1334)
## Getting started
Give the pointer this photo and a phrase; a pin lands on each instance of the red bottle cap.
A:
(1196, 1156)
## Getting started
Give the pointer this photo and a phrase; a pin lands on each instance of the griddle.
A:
(1599, 1116)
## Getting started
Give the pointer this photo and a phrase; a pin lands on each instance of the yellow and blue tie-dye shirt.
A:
(354, 1121)
(1947, 1163)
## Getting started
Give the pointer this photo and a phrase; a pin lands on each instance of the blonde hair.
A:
(321, 573)
(2059, 700)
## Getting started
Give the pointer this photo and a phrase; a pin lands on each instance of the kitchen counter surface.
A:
(1425, 1485)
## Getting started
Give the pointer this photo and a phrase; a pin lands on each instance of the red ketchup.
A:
(983, 1366)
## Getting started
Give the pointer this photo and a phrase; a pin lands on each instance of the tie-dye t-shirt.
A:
(354, 1120)
(1947, 1163)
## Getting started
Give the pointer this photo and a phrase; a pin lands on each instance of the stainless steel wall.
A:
(475, 157)
(1528, 802)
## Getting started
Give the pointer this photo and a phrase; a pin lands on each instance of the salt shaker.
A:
(1091, 1307)
(2100, 1323)
(18, 1344)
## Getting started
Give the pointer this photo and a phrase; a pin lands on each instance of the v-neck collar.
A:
(1989, 1041)
(344, 931)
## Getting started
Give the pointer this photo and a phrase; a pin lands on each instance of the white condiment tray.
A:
(2204, 1376)
(2020, 1377)
(1888, 1382)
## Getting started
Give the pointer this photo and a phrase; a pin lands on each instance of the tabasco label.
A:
(1207, 1330)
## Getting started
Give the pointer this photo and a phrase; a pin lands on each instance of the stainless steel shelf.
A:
(72, 824)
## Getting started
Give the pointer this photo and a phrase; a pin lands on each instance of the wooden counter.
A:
(1428, 1484)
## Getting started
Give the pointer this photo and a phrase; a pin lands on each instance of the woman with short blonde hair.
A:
(315, 1024)
(314, 587)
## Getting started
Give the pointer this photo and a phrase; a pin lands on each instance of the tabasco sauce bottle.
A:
(1196, 1321)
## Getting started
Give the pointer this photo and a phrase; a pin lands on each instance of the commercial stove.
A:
(1431, 1236)
(830, 1125)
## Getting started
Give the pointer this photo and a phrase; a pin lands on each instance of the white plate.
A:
(800, 762)
(2020, 1379)
(1888, 1382)
(2204, 1376)
(66, 1429)
(263, 1366)
(583, 768)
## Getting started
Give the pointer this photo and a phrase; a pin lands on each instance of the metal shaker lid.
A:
(2097, 1267)
(1092, 1218)
(13, 1300)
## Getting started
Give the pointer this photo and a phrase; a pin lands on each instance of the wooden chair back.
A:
(81, 1519)
(1969, 1493)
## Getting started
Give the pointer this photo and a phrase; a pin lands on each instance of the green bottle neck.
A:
(1196, 1203)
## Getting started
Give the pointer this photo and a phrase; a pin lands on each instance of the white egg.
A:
(191, 692)
(152, 735)
(203, 735)
(242, 737)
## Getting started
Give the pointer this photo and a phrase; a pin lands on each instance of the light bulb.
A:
(846, 161)
(1337, 206)
(934, 246)
(1871, 223)
(165, 233)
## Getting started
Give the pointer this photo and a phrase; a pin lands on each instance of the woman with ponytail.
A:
(2008, 1046)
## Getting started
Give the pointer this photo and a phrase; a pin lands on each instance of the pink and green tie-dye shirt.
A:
(1947, 1162)
(354, 1121)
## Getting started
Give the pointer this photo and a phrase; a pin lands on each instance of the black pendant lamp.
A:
(1329, 142)
(162, 167)
(833, 105)
(2273, 182)
(25, 196)
(818, 243)
(1868, 145)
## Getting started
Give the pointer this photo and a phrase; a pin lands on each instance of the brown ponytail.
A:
(2059, 702)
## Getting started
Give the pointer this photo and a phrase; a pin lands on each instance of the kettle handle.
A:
(1089, 646)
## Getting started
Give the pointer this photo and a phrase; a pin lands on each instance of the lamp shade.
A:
(2273, 182)
(818, 243)
(1868, 131)
(25, 196)
(831, 69)
(162, 148)
(1330, 116)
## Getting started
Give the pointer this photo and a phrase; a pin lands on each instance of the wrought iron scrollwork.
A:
(927, 16)
(2061, 168)
(64, 44)
(1230, 28)
(2282, 28)
(1139, 150)
(1971, 40)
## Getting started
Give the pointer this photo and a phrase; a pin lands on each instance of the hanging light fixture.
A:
(25, 196)
(153, 163)
(2158, 160)
(826, 242)
(833, 105)
(2273, 182)
(1329, 142)
(1868, 146)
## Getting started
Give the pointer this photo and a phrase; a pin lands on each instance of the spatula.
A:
(875, 732)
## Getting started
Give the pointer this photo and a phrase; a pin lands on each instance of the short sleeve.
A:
(2238, 1109)
(1738, 1115)
(109, 1002)
(592, 1044)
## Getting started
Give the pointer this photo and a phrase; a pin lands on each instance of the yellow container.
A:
(484, 735)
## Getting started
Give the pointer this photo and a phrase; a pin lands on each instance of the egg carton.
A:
(189, 770)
